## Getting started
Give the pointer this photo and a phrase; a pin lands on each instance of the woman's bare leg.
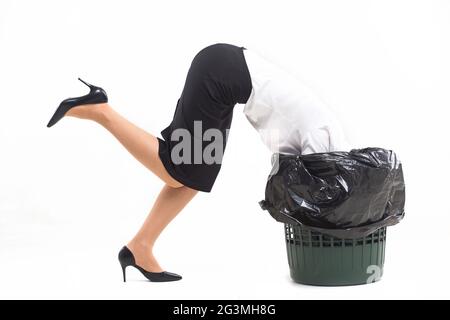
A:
(141, 144)
(169, 203)
(144, 147)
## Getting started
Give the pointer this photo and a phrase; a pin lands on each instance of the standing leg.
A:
(169, 203)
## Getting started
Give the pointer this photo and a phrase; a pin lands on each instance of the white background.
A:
(71, 196)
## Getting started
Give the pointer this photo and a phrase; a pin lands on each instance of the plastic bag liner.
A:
(341, 194)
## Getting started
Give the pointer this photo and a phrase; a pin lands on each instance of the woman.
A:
(188, 158)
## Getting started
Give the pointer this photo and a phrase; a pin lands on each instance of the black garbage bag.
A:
(341, 194)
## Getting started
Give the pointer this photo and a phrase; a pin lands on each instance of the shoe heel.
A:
(124, 273)
(88, 84)
(126, 259)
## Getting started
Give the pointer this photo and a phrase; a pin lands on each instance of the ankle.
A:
(139, 245)
(103, 113)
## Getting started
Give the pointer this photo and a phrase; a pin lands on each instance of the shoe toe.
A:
(170, 276)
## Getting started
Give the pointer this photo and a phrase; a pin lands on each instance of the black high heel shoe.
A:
(95, 95)
(126, 258)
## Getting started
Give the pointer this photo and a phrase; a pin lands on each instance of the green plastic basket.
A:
(318, 259)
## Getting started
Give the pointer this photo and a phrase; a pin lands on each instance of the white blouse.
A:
(289, 117)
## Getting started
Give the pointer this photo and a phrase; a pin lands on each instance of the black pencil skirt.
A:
(217, 80)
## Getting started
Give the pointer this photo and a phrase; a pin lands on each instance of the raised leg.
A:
(141, 144)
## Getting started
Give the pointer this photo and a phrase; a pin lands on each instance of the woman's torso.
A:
(288, 115)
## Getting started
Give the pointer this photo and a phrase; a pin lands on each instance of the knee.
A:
(174, 184)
